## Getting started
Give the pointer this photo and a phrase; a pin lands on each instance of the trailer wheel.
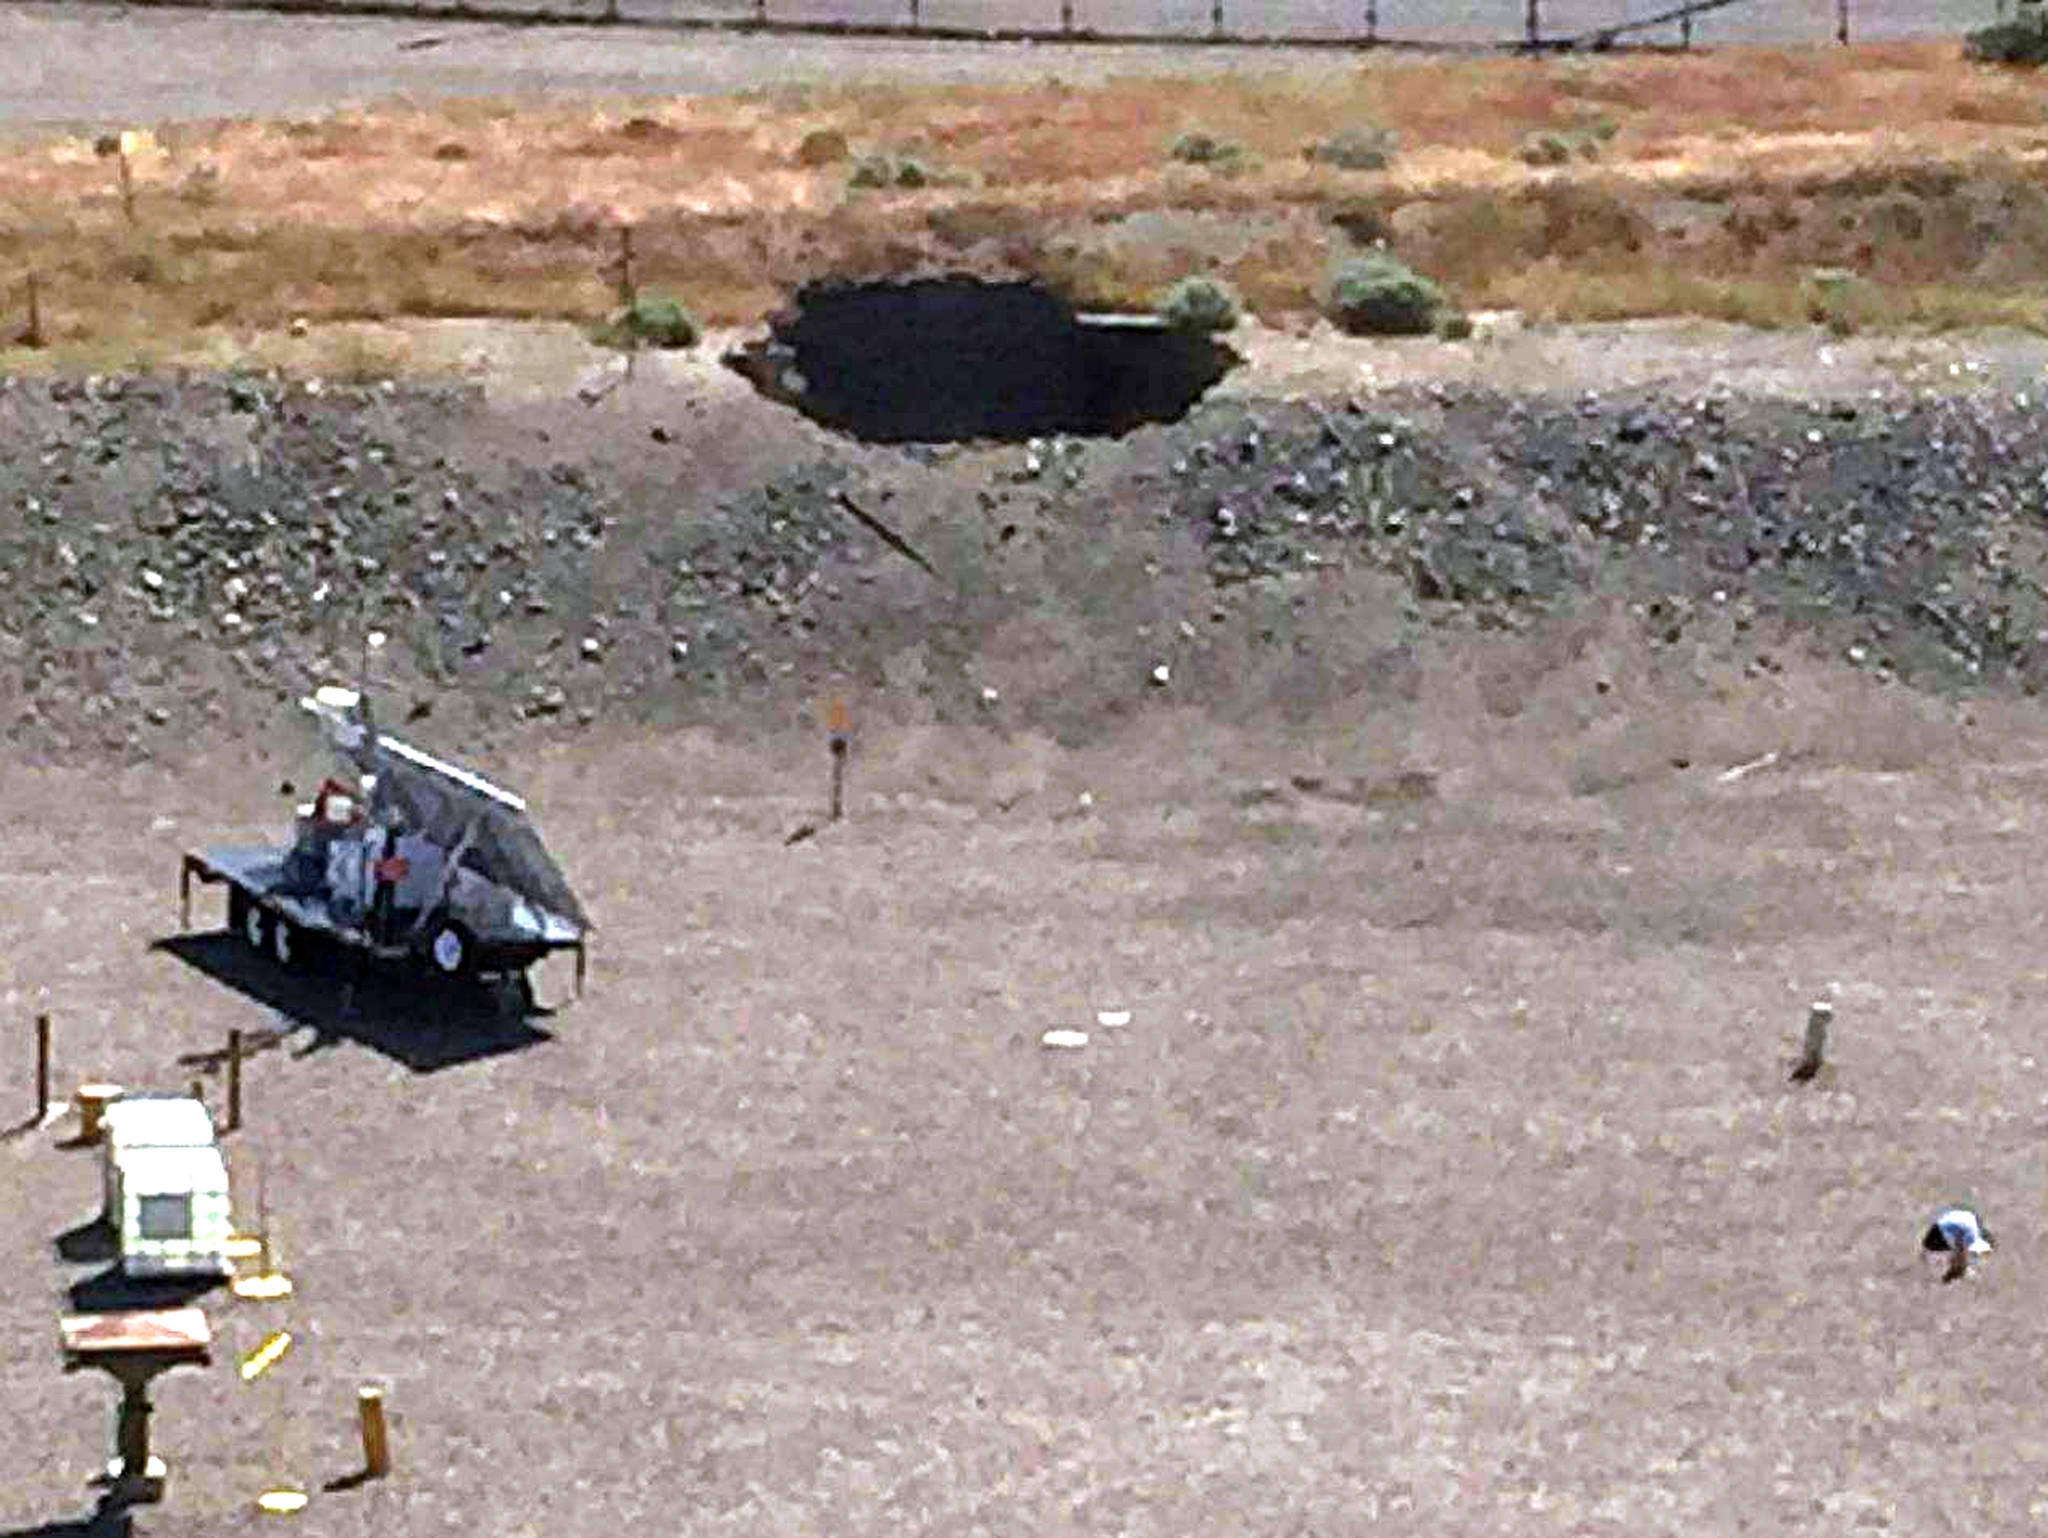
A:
(450, 951)
(255, 927)
(285, 940)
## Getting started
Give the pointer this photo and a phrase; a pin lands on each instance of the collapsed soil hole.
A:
(947, 359)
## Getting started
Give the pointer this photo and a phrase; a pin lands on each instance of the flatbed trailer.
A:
(273, 921)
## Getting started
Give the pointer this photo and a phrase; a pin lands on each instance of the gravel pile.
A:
(183, 555)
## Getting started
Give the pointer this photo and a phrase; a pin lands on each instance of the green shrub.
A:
(1545, 149)
(1199, 304)
(1356, 149)
(890, 171)
(652, 320)
(1197, 148)
(821, 147)
(1456, 326)
(1377, 295)
(2008, 42)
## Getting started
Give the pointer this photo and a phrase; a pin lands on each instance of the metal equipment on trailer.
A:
(415, 861)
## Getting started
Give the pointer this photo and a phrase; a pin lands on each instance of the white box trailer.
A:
(166, 1188)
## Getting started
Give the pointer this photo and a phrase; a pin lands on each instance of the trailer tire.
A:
(255, 927)
(451, 952)
(287, 943)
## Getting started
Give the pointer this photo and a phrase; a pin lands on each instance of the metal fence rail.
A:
(1443, 25)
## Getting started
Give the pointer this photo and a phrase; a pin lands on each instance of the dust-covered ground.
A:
(1466, 880)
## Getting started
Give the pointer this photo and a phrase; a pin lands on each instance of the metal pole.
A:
(1842, 22)
(1372, 21)
(234, 1122)
(1685, 30)
(42, 1069)
(1533, 24)
(1216, 17)
(1066, 15)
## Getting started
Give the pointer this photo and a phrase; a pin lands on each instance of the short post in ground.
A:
(33, 336)
(836, 726)
(234, 1116)
(376, 1437)
(92, 1101)
(42, 1070)
(1820, 1015)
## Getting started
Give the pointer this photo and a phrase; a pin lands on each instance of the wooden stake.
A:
(376, 1439)
(127, 184)
(42, 1069)
(34, 337)
(234, 1118)
(836, 723)
(626, 292)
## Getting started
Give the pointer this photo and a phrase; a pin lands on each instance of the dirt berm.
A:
(186, 554)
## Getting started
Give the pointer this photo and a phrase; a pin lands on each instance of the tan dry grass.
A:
(497, 208)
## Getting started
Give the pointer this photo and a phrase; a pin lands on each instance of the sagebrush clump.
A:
(651, 320)
(872, 171)
(2023, 43)
(1199, 148)
(1200, 304)
(1356, 149)
(1380, 295)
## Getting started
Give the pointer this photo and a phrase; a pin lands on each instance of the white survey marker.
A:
(1109, 1019)
(1064, 1039)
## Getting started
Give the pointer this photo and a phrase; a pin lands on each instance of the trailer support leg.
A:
(184, 895)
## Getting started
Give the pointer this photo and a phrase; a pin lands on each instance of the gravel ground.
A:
(193, 552)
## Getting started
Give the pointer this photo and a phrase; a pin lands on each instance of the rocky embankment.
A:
(182, 555)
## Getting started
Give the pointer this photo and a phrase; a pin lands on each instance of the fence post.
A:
(1215, 18)
(761, 12)
(1685, 31)
(234, 1121)
(1842, 22)
(913, 15)
(42, 1069)
(1066, 15)
(1372, 21)
(34, 336)
(1533, 25)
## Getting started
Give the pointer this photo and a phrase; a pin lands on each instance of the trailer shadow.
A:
(111, 1518)
(416, 1021)
(109, 1291)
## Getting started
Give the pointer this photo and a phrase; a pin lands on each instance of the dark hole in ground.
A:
(945, 359)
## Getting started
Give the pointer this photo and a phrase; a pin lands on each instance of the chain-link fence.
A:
(1473, 24)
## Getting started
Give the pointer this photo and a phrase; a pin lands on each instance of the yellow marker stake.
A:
(259, 1361)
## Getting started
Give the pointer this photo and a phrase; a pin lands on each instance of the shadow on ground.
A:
(425, 1025)
(110, 1519)
(89, 1242)
(109, 1292)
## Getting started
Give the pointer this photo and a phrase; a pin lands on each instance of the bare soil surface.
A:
(1445, 1177)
